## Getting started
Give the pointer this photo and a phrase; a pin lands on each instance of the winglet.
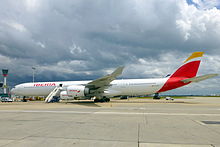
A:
(118, 71)
(194, 55)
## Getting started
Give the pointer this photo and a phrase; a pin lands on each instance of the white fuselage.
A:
(117, 87)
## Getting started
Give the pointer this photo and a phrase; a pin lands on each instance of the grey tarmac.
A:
(120, 123)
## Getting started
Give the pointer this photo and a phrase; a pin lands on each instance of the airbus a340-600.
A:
(105, 87)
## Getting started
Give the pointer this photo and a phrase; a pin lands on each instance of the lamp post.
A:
(5, 74)
(33, 68)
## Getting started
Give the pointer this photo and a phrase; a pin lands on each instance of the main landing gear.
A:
(24, 99)
(156, 96)
(102, 100)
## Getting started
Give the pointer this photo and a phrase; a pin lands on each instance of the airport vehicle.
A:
(169, 98)
(6, 99)
(105, 87)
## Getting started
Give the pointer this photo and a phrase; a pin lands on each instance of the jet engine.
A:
(65, 96)
(74, 91)
(77, 91)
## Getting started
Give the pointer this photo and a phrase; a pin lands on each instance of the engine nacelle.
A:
(65, 96)
(77, 91)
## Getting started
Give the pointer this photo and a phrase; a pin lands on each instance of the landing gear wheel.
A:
(156, 96)
(102, 100)
(107, 99)
(96, 100)
(24, 99)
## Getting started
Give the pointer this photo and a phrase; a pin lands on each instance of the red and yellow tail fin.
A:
(190, 67)
(188, 70)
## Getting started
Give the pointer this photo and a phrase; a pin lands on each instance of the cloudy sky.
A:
(84, 39)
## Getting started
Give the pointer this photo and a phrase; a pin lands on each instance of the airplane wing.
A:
(199, 78)
(99, 85)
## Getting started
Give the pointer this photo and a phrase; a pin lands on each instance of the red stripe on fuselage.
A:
(186, 71)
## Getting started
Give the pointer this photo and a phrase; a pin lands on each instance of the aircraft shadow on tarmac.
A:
(84, 103)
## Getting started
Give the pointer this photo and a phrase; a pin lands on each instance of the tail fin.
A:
(190, 67)
(186, 73)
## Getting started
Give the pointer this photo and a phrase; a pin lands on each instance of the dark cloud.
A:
(81, 39)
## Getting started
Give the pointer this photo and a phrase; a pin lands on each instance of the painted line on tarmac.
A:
(107, 113)
(174, 114)
(44, 111)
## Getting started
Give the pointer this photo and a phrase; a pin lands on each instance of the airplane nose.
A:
(13, 91)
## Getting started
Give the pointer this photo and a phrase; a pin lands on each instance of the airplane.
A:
(107, 86)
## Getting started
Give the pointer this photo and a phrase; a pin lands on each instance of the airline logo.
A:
(44, 84)
(77, 91)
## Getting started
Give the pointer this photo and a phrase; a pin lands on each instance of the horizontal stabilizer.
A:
(199, 78)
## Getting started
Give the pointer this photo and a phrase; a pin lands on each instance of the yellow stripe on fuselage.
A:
(194, 55)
